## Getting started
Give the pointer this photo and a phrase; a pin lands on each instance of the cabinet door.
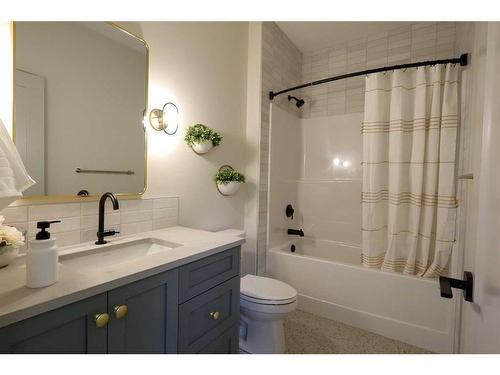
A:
(68, 330)
(150, 324)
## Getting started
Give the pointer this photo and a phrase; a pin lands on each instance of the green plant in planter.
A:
(225, 176)
(200, 133)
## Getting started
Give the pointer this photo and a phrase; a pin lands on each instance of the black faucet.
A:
(101, 233)
(297, 232)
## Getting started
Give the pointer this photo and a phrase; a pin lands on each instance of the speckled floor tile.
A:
(310, 334)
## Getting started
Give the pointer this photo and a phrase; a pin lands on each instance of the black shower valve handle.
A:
(289, 211)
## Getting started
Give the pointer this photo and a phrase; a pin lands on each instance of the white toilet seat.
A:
(262, 288)
(267, 295)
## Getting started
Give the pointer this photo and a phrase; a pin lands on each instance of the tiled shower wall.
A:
(281, 68)
(415, 42)
(79, 220)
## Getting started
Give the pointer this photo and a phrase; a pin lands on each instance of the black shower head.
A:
(300, 102)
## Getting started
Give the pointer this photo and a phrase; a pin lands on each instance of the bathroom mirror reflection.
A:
(81, 94)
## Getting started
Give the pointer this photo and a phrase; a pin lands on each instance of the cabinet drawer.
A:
(227, 343)
(197, 277)
(206, 317)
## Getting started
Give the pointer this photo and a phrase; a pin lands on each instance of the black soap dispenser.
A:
(42, 257)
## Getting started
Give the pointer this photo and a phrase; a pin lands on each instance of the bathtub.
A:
(331, 282)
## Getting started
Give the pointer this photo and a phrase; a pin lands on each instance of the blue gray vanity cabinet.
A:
(150, 323)
(190, 309)
(68, 330)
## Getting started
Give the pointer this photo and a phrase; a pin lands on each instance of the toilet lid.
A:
(265, 288)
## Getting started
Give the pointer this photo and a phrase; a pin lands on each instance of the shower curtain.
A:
(408, 196)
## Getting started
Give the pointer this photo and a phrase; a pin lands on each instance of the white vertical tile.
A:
(15, 214)
(53, 211)
(134, 228)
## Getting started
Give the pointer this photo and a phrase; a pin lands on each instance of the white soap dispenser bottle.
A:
(42, 257)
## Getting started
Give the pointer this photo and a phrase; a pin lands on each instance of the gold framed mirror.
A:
(80, 97)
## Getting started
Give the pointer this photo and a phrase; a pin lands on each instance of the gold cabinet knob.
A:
(120, 311)
(215, 315)
(101, 320)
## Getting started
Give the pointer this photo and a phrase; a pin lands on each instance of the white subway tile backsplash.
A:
(164, 223)
(15, 214)
(91, 221)
(92, 208)
(165, 213)
(134, 228)
(136, 216)
(136, 204)
(172, 202)
(68, 238)
(53, 211)
(79, 220)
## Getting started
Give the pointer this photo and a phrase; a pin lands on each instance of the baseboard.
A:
(422, 337)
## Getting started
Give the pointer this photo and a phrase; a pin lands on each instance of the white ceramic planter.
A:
(229, 188)
(203, 147)
(7, 255)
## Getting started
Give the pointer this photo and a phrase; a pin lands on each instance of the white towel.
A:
(13, 176)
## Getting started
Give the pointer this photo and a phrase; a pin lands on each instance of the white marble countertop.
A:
(17, 302)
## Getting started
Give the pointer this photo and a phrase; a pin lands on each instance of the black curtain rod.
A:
(462, 60)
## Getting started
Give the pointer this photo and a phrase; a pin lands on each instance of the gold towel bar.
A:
(80, 170)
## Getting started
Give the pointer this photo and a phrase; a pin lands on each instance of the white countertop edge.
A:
(10, 314)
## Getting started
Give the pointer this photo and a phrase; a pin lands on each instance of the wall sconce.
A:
(165, 119)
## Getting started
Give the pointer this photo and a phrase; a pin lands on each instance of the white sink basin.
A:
(99, 257)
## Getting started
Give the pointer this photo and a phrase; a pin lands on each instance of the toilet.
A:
(264, 304)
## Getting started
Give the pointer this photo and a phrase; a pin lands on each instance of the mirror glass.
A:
(81, 94)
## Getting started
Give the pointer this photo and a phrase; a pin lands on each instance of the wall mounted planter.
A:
(228, 189)
(228, 181)
(202, 147)
(201, 138)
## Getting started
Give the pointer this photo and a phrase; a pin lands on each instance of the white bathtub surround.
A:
(332, 283)
(409, 144)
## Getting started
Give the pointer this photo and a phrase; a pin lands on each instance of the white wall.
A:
(202, 67)
(94, 103)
